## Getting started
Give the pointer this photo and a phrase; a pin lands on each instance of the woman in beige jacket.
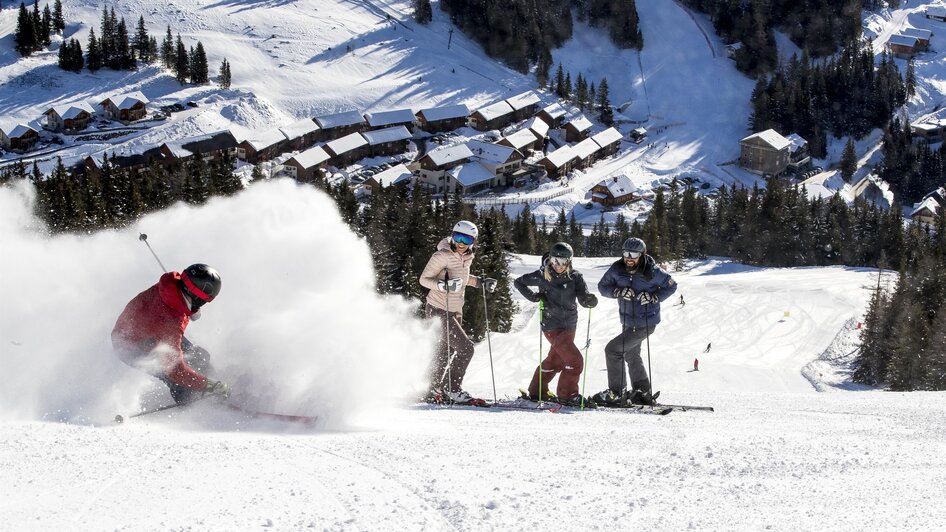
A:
(446, 275)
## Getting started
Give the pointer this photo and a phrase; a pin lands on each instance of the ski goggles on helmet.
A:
(560, 261)
(463, 238)
(631, 254)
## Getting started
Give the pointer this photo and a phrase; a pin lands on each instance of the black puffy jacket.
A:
(561, 295)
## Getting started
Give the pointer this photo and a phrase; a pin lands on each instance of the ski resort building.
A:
(301, 134)
(307, 166)
(936, 13)
(387, 141)
(431, 169)
(396, 176)
(446, 118)
(264, 147)
(495, 116)
(559, 162)
(585, 152)
(19, 138)
(578, 129)
(902, 46)
(538, 127)
(923, 37)
(338, 125)
(765, 153)
(69, 118)
(553, 115)
(523, 105)
(609, 140)
(126, 108)
(387, 119)
(522, 140)
(616, 190)
(210, 147)
(932, 205)
(347, 149)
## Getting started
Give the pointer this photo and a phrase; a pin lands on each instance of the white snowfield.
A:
(298, 329)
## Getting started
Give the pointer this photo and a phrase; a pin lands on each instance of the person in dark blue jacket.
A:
(639, 285)
(561, 289)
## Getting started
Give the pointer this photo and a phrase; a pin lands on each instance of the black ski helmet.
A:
(634, 244)
(561, 250)
(201, 282)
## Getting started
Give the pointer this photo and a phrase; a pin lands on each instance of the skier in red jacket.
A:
(149, 334)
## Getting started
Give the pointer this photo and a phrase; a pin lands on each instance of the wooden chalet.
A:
(578, 129)
(609, 141)
(538, 127)
(932, 130)
(799, 156)
(922, 37)
(387, 141)
(19, 138)
(307, 166)
(388, 119)
(615, 190)
(495, 116)
(432, 168)
(126, 108)
(553, 115)
(445, 118)
(902, 46)
(301, 134)
(502, 161)
(936, 13)
(347, 149)
(263, 147)
(69, 118)
(396, 176)
(930, 207)
(523, 140)
(586, 153)
(210, 147)
(559, 162)
(523, 105)
(338, 125)
(161, 156)
(470, 178)
(765, 152)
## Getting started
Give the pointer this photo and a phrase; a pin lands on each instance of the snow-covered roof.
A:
(266, 139)
(922, 34)
(521, 101)
(903, 40)
(561, 156)
(348, 118)
(218, 140)
(770, 137)
(346, 144)
(393, 176)
(928, 203)
(555, 110)
(299, 128)
(494, 111)
(470, 174)
(537, 126)
(18, 131)
(494, 153)
(931, 125)
(936, 11)
(70, 111)
(586, 148)
(607, 137)
(128, 100)
(391, 134)
(620, 185)
(447, 112)
(796, 141)
(386, 118)
(581, 123)
(312, 157)
(450, 154)
(521, 138)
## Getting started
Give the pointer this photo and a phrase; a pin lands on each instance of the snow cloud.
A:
(297, 328)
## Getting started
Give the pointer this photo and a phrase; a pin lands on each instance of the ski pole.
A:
(541, 316)
(489, 345)
(121, 419)
(650, 372)
(584, 369)
(144, 238)
(446, 280)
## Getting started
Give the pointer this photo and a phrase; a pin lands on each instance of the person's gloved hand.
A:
(624, 293)
(646, 298)
(217, 388)
(589, 301)
(450, 285)
(489, 284)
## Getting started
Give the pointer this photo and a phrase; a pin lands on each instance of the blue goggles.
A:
(463, 238)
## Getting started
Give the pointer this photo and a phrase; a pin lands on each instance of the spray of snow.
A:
(297, 328)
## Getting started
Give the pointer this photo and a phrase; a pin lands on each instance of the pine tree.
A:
(423, 13)
(198, 65)
(141, 42)
(47, 25)
(58, 22)
(581, 92)
(560, 82)
(124, 55)
(93, 59)
(606, 115)
(225, 78)
(848, 163)
(910, 82)
(37, 22)
(107, 41)
(181, 62)
(168, 50)
(25, 34)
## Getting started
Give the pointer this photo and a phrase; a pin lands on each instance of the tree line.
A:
(913, 169)
(33, 29)
(845, 95)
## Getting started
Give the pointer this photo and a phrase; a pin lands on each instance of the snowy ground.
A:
(298, 329)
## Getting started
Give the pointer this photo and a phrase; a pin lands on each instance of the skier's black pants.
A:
(462, 352)
(626, 348)
(196, 357)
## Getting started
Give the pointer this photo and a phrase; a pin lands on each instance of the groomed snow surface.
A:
(298, 329)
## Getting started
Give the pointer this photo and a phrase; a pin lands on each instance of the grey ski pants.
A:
(442, 377)
(625, 348)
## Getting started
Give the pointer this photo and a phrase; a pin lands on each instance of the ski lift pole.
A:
(584, 369)
(489, 345)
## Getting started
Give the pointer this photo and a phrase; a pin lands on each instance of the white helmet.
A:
(465, 227)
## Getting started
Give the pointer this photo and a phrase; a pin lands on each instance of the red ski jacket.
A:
(156, 318)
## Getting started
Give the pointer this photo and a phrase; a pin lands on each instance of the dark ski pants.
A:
(625, 348)
(196, 357)
(565, 358)
(447, 369)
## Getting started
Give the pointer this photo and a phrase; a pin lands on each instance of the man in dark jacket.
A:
(149, 333)
(559, 287)
(639, 285)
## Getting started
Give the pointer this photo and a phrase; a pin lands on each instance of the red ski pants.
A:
(565, 358)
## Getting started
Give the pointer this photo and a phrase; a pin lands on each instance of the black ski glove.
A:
(589, 301)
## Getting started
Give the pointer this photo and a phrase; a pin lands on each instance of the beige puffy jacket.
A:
(455, 266)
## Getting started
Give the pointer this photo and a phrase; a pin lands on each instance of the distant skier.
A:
(639, 285)
(559, 287)
(149, 333)
(696, 364)
(682, 302)
(708, 347)
(446, 275)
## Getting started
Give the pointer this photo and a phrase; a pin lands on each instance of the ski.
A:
(684, 408)
(527, 404)
(291, 418)
(660, 410)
